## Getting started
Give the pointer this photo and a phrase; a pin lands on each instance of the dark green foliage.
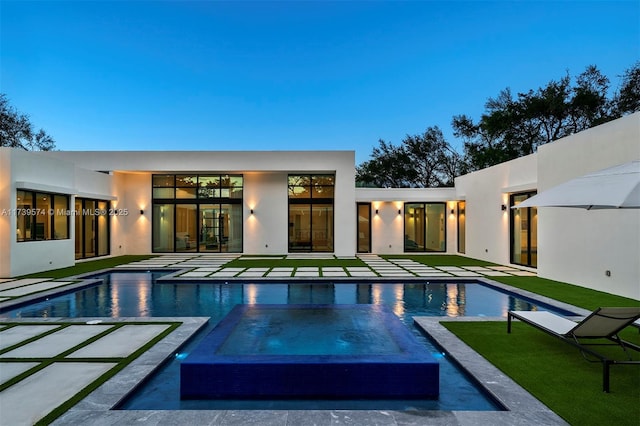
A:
(628, 98)
(422, 161)
(16, 131)
(512, 127)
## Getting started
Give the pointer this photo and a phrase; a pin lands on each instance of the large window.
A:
(424, 227)
(92, 228)
(311, 213)
(197, 213)
(41, 216)
(524, 232)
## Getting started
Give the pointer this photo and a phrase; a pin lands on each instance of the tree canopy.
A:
(423, 160)
(511, 127)
(16, 130)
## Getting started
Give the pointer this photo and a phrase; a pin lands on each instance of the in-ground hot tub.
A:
(309, 351)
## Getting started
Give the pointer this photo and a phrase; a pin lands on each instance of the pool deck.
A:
(46, 361)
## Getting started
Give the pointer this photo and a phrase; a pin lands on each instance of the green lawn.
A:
(556, 372)
(572, 294)
(439, 259)
(247, 262)
(88, 266)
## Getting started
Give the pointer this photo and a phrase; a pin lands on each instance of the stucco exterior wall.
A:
(387, 227)
(265, 191)
(485, 191)
(579, 246)
(23, 170)
(265, 232)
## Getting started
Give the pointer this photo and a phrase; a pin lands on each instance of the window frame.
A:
(33, 212)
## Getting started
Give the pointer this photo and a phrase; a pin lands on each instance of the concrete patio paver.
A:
(57, 342)
(10, 370)
(47, 389)
(121, 342)
(13, 335)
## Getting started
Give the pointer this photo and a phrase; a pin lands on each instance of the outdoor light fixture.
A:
(251, 211)
(452, 211)
(503, 207)
(376, 211)
(141, 211)
(399, 211)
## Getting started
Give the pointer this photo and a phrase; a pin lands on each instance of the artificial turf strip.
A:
(88, 266)
(556, 373)
(439, 259)
(277, 263)
(575, 295)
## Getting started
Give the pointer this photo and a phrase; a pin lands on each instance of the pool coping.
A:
(523, 408)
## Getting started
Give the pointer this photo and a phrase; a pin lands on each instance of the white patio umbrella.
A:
(613, 187)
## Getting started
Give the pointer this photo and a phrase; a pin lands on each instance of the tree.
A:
(511, 128)
(628, 98)
(386, 169)
(421, 161)
(16, 131)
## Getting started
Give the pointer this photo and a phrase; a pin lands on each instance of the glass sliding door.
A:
(462, 226)
(424, 229)
(524, 232)
(89, 227)
(163, 236)
(209, 230)
(186, 227)
(102, 229)
(92, 228)
(311, 216)
(414, 229)
(300, 227)
(322, 227)
(364, 227)
(208, 213)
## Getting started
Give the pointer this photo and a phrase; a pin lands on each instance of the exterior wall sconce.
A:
(251, 211)
(399, 211)
(376, 211)
(503, 207)
(141, 211)
(453, 211)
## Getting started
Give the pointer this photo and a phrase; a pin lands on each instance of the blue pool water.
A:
(137, 294)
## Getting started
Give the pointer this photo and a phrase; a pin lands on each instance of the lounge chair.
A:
(603, 323)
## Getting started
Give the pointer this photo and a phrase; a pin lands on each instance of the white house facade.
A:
(59, 207)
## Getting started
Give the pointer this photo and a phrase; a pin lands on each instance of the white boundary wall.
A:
(578, 246)
(574, 245)
(485, 191)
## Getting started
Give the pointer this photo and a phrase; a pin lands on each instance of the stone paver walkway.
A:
(44, 365)
(212, 266)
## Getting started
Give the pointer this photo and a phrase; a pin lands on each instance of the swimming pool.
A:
(138, 294)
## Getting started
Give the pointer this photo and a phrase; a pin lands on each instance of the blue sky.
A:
(201, 75)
